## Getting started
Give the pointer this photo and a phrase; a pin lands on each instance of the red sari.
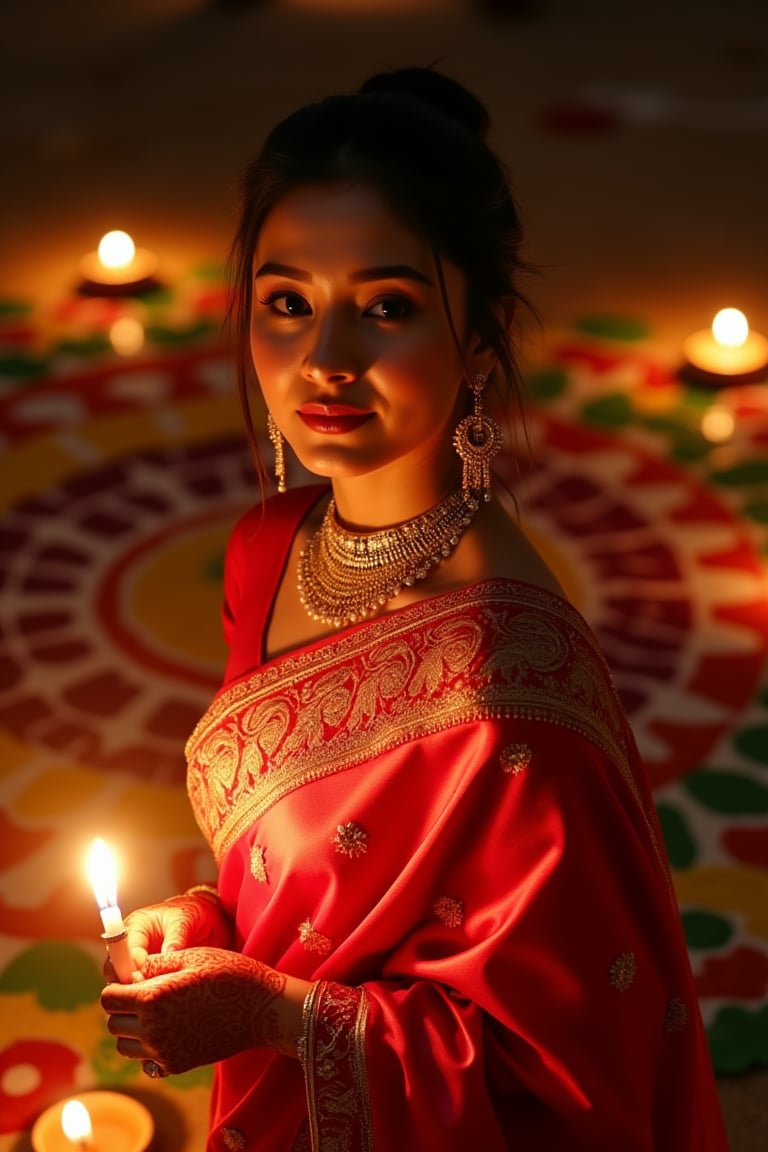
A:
(439, 816)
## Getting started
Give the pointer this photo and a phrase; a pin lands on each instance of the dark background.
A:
(140, 115)
(636, 135)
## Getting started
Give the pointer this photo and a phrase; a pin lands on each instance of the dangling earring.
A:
(278, 444)
(477, 440)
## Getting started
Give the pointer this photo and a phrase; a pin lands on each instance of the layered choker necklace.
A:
(345, 576)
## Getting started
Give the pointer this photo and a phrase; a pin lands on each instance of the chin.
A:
(335, 465)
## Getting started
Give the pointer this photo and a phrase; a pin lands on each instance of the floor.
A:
(140, 116)
(635, 138)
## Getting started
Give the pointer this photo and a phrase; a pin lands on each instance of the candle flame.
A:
(102, 873)
(730, 328)
(116, 249)
(76, 1122)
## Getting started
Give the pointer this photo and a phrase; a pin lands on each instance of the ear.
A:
(481, 357)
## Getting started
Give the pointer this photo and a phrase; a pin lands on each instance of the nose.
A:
(331, 356)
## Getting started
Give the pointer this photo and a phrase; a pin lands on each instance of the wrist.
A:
(277, 1010)
(208, 891)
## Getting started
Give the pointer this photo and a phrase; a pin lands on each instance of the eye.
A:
(286, 304)
(390, 308)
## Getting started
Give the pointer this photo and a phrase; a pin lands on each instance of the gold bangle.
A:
(209, 890)
(307, 1019)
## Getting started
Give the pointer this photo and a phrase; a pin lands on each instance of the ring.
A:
(153, 1069)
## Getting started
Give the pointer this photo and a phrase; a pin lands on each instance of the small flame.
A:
(730, 328)
(76, 1122)
(116, 249)
(102, 874)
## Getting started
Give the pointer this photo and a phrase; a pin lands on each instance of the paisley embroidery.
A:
(528, 644)
(335, 1073)
(498, 649)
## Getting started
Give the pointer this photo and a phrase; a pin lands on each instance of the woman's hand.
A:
(201, 1005)
(189, 921)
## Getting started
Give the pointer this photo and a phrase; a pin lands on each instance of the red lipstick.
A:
(333, 419)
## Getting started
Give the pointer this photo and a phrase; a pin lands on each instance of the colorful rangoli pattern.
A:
(120, 478)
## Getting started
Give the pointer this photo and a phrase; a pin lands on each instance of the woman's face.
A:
(350, 337)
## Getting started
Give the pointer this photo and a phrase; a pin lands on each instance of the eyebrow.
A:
(271, 268)
(390, 272)
(385, 272)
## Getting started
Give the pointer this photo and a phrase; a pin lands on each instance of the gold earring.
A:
(278, 444)
(477, 440)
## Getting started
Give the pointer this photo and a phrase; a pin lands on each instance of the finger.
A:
(124, 1024)
(138, 953)
(116, 999)
(132, 1049)
(164, 964)
(140, 936)
(174, 942)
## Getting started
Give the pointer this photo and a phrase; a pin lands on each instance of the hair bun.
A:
(437, 91)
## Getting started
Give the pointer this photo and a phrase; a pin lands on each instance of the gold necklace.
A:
(345, 576)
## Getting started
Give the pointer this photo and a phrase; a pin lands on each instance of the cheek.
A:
(261, 346)
(258, 360)
(424, 359)
(435, 374)
(271, 358)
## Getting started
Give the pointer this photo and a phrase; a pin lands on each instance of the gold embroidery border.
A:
(334, 1067)
(339, 649)
(480, 609)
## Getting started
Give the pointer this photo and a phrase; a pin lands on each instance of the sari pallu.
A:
(439, 818)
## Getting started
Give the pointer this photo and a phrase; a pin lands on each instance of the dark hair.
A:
(418, 137)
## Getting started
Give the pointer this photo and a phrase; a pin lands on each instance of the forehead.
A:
(344, 223)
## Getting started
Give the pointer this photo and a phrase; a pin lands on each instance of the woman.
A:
(443, 916)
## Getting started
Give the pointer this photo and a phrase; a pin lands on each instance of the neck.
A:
(386, 497)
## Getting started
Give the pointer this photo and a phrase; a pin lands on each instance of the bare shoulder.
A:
(520, 559)
(496, 547)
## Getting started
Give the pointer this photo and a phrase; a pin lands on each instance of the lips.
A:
(333, 419)
(331, 410)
